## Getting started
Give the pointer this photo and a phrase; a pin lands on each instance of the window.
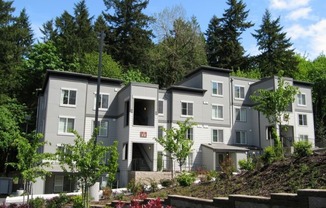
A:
(217, 112)
(103, 101)
(58, 183)
(160, 132)
(217, 88)
(302, 120)
(301, 99)
(241, 137)
(239, 92)
(187, 109)
(125, 152)
(68, 97)
(160, 107)
(303, 137)
(217, 135)
(127, 106)
(190, 134)
(66, 125)
(103, 127)
(241, 114)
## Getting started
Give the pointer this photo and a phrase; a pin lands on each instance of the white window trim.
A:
(299, 119)
(61, 98)
(235, 108)
(217, 105)
(305, 98)
(244, 93)
(160, 100)
(246, 137)
(101, 109)
(217, 132)
(66, 133)
(187, 116)
(217, 82)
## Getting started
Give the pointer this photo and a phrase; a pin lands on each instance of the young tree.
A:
(128, 35)
(134, 75)
(31, 163)
(276, 52)
(226, 32)
(176, 141)
(274, 104)
(87, 161)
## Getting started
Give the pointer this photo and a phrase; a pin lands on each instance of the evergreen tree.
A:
(86, 41)
(48, 31)
(128, 36)
(226, 32)
(15, 41)
(276, 53)
(100, 25)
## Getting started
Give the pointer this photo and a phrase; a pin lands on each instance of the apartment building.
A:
(219, 104)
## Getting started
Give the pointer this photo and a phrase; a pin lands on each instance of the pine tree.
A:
(86, 41)
(227, 31)
(128, 38)
(275, 47)
(15, 41)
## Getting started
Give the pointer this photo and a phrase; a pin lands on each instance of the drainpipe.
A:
(259, 134)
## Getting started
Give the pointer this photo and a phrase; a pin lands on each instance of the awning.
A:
(220, 147)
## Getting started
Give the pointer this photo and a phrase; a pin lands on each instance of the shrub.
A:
(58, 201)
(269, 155)
(246, 164)
(77, 201)
(37, 203)
(167, 182)
(227, 166)
(135, 187)
(186, 179)
(302, 149)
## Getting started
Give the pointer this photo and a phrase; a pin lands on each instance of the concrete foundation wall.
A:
(145, 177)
(305, 198)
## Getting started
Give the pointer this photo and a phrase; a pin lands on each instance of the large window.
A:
(103, 101)
(301, 99)
(241, 114)
(239, 92)
(217, 135)
(187, 108)
(241, 137)
(103, 127)
(68, 97)
(302, 119)
(66, 125)
(58, 183)
(217, 88)
(217, 111)
(190, 134)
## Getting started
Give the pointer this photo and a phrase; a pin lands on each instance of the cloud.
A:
(301, 13)
(313, 35)
(288, 4)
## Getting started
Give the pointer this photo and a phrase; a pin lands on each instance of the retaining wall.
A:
(305, 198)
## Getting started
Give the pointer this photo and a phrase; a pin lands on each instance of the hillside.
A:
(287, 176)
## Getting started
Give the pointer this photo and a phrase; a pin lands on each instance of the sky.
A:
(304, 21)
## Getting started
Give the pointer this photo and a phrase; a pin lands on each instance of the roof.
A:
(66, 74)
(221, 147)
(207, 68)
(186, 89)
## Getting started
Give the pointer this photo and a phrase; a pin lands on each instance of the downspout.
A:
(231, 113)
(259, 133)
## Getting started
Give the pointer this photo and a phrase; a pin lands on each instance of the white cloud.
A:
(301, 13)
(311, 37)
(288, 4)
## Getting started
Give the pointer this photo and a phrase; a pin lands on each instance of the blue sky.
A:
(303, 20)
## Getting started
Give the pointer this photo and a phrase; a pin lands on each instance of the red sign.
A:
(143, 134)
